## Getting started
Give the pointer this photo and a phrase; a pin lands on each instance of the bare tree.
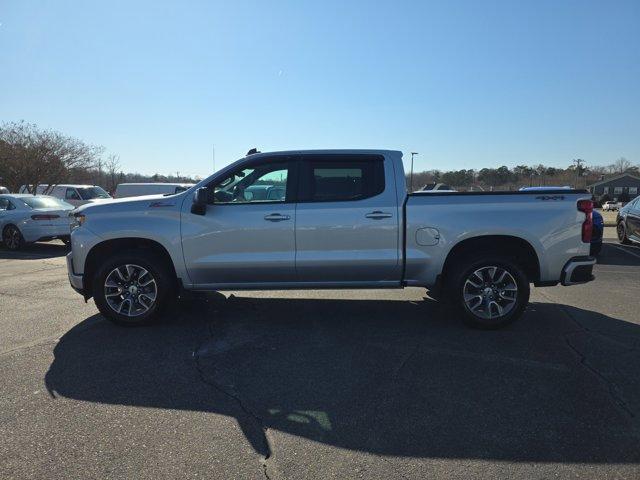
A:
(621, 165)
(31, 156)
(112, 166)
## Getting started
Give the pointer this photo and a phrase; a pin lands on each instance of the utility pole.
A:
(578, 162)
(411, 175)
(99, 172)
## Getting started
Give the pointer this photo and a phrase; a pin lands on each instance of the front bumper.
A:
(75, 280)
(578, 270)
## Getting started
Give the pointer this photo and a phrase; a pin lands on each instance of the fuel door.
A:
(427, 236)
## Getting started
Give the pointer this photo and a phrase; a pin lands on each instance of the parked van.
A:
(76, 195)
(140, 189)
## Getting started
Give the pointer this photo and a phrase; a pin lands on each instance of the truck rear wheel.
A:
(489, 292)
(133, 288)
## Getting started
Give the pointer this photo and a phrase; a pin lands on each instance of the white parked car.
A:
(26, 218)
(610, 206)
(140, 189)
(76, 195)
(437, 188)
(4, 190)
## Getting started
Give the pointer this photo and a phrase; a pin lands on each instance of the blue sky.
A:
(468, 84)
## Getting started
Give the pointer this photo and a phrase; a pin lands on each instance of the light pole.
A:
(411, 175)
(578, 162)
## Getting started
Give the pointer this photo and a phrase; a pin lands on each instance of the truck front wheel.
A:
(132, 288)
(488, 292)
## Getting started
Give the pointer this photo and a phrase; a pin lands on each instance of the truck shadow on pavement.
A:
(380, 376)
(35, 250)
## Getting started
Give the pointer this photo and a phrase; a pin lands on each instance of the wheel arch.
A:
(507, 245)
(9, 224)
(105, 248)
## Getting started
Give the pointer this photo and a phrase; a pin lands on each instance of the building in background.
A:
(621, 188)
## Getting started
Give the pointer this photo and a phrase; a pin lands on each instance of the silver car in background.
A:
(26, 218)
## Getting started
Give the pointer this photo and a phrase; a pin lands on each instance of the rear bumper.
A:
(75, 280)
(44, 232)
(578, 270)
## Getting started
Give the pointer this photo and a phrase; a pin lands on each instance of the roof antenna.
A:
(252, 151)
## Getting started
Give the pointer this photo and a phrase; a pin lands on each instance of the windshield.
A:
(46, 202)
(89, 193)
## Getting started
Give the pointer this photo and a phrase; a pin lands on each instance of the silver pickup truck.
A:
(329, 219)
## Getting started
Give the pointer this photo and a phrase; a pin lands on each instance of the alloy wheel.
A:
(490, 292)
(621, 232)
(130, 290)
(11, 238)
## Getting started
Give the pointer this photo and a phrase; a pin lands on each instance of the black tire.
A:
(621, 230)
(512, 302)
(12, 238)
(595, 249)
(165, 288)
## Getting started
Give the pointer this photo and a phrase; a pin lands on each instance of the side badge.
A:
(550, 197)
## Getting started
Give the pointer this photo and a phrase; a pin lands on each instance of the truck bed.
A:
(549, 221)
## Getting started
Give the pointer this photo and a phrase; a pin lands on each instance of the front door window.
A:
(264, 183)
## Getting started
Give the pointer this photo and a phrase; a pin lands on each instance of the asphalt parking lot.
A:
(319, 384)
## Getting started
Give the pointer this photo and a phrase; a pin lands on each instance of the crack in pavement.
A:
(611, 386)
(262, 445)
(405, 360)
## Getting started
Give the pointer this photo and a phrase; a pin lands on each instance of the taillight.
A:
(586, 206)
(44, 217)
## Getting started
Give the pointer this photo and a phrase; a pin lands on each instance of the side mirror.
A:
(200, 200)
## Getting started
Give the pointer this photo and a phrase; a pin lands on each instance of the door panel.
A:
(237, 244)
(247, 234)
(346, 241)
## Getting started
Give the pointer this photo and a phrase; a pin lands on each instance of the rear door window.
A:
(72, 194)
(341, 178)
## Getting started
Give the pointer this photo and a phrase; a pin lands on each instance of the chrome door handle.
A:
(378, 215)
(276, 217)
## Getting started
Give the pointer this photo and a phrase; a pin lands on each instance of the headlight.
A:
(77, 220)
